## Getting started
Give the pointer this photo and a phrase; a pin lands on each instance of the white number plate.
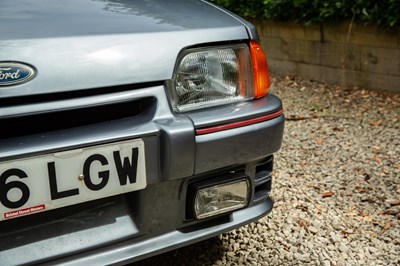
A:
(56, 180)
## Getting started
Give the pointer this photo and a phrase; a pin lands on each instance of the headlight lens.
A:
(213, 76)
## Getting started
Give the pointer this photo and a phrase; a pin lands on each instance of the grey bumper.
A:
(139, 224)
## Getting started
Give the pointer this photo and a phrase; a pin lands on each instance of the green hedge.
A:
(384, 13)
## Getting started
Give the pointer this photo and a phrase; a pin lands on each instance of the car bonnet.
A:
(87, 44)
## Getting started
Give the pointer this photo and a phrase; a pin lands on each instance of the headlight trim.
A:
(211, 76)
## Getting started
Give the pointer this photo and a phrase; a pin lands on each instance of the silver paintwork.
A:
(99, 44)
(11, 73)
(69, 41)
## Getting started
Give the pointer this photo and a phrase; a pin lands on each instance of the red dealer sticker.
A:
(12, 214)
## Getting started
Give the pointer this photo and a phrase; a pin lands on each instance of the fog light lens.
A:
(222, 198)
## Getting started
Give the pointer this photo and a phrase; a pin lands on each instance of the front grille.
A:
(263, 180)
(64, 119)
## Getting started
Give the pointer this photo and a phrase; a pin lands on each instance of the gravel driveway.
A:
(336, 186)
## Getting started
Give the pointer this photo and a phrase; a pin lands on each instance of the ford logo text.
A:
(13, 73)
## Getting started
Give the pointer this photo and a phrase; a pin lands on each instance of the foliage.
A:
(384, 13)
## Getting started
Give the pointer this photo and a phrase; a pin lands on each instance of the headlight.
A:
(217, 75)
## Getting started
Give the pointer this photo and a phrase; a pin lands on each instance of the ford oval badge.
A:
(13, 73)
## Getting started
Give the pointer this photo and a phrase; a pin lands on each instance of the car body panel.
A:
(69, 42)
(104, 75)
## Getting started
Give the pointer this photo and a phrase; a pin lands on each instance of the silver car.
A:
(129, 128)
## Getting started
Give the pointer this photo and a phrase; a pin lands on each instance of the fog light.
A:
(221, 198)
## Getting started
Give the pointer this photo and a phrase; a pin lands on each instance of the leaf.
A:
(395, 210)
(368, 218)
(328, 194)
(317, 107)
(352, 213)
(347, 233)
(376, 123)
(377, 159)
(302, 223)
(302, 207)
(387, 226)
(338, 129)
(393, 202)
(360, 189)
(349, 143)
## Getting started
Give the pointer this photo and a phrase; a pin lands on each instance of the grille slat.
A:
(64, 119)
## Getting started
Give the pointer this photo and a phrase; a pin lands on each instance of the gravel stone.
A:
(336, 186)
(326, 263)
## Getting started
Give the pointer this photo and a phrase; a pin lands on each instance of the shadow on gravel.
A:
(336, 186)
(207, 252)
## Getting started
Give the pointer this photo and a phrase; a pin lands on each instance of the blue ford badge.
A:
(13, 73)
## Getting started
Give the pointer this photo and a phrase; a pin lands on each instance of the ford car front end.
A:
(129, 128)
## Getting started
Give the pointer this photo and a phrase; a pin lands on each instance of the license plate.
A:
(61, 179)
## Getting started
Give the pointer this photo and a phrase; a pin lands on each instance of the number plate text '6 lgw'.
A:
(56, 180)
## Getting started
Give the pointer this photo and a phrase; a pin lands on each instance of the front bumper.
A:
(143, 223)
(135, 249)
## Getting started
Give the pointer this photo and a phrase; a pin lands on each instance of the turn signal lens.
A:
(260, 70)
